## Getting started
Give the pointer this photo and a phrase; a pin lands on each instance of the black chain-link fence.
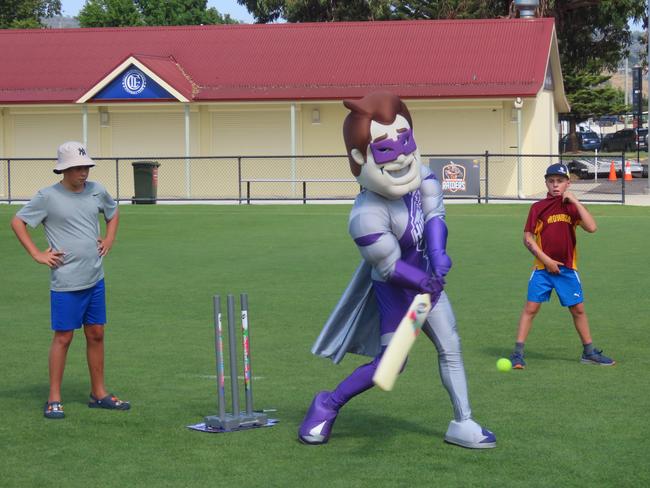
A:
(243, 179)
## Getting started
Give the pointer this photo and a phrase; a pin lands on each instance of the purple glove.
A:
(435, 235)
(409, 276)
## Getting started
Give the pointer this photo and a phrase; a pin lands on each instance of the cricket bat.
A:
(400, 344)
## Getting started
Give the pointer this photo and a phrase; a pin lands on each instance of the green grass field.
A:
(558, 423)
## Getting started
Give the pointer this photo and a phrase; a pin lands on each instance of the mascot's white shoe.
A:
(468, 433)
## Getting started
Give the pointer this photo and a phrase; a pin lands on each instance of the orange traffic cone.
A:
(612, 172)
(628, 172)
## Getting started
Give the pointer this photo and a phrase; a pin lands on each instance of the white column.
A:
(3, 152)
(519, 103)
(293, 148)
(188, 181)
(84, 124)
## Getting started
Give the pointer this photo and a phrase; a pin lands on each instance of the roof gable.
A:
(414, 59)
(152, 77)
(131, 84)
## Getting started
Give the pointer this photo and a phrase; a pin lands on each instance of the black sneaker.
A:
(517, 361)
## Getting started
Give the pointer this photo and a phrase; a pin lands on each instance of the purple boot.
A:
(317, 425)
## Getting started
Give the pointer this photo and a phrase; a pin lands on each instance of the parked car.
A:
(622, 140)
(587, 141)
(607, 120)
(586, 168)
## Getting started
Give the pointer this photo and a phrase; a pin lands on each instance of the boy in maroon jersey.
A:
(550, 236)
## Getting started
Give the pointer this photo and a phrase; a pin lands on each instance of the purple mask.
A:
(389, 150)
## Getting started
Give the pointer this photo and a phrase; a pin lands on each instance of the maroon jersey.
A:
(553, 223)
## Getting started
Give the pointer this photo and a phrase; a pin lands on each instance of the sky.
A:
(71, 8)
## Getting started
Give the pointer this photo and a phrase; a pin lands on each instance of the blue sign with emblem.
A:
(133, 84)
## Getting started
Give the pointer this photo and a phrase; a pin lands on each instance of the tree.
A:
(589, 96)
(110, 13)
(317, 10)
(122, 13)
(450, 9)
(593, 36)
(180, 12)
(27, 14)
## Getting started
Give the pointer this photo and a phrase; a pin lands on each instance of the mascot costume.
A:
(398, 224)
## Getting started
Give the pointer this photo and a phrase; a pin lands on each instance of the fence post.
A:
(248, 192)
(117, 180)
(487, 179)
(239, 177)
(479, 182)
(8, 180)
(304, 192)
(623, 177)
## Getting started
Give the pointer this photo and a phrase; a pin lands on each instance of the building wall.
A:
(251, 130)
(223, 131)
(38, 131)
(541, 137)
(151, 133)
(450, 127)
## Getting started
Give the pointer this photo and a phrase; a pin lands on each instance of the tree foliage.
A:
(317, 10)
(179, 12)
(122, 13)
(27, 14)
(110, 13)
(590, 96)
(450, 9)
(593, 37)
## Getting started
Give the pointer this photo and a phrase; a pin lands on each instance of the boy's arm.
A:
(50, 257)
(551, 265)
(106, 243)
(587, 222)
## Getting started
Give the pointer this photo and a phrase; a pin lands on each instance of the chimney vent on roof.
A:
(526, 8)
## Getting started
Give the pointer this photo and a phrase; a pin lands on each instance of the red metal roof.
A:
(169, 70)
(310, 61)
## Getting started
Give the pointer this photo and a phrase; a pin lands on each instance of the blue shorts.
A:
(566, 285)
(72, 309)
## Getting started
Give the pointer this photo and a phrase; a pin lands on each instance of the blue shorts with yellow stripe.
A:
(566, 284)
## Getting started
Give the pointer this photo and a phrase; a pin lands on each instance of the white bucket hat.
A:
(71, 154)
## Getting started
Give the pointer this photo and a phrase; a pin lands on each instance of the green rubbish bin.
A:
(145, 181)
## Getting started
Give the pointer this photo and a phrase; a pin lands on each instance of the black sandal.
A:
(53, 410)
(110, 402)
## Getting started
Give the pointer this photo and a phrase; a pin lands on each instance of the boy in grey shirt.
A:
(68, 211)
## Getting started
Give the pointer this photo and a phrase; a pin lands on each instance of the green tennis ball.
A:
(504, 364)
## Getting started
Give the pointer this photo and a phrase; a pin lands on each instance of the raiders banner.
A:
(458, 177)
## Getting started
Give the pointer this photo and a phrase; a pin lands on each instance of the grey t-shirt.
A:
(71, 226)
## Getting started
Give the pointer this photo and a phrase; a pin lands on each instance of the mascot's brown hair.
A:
(382, 107)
